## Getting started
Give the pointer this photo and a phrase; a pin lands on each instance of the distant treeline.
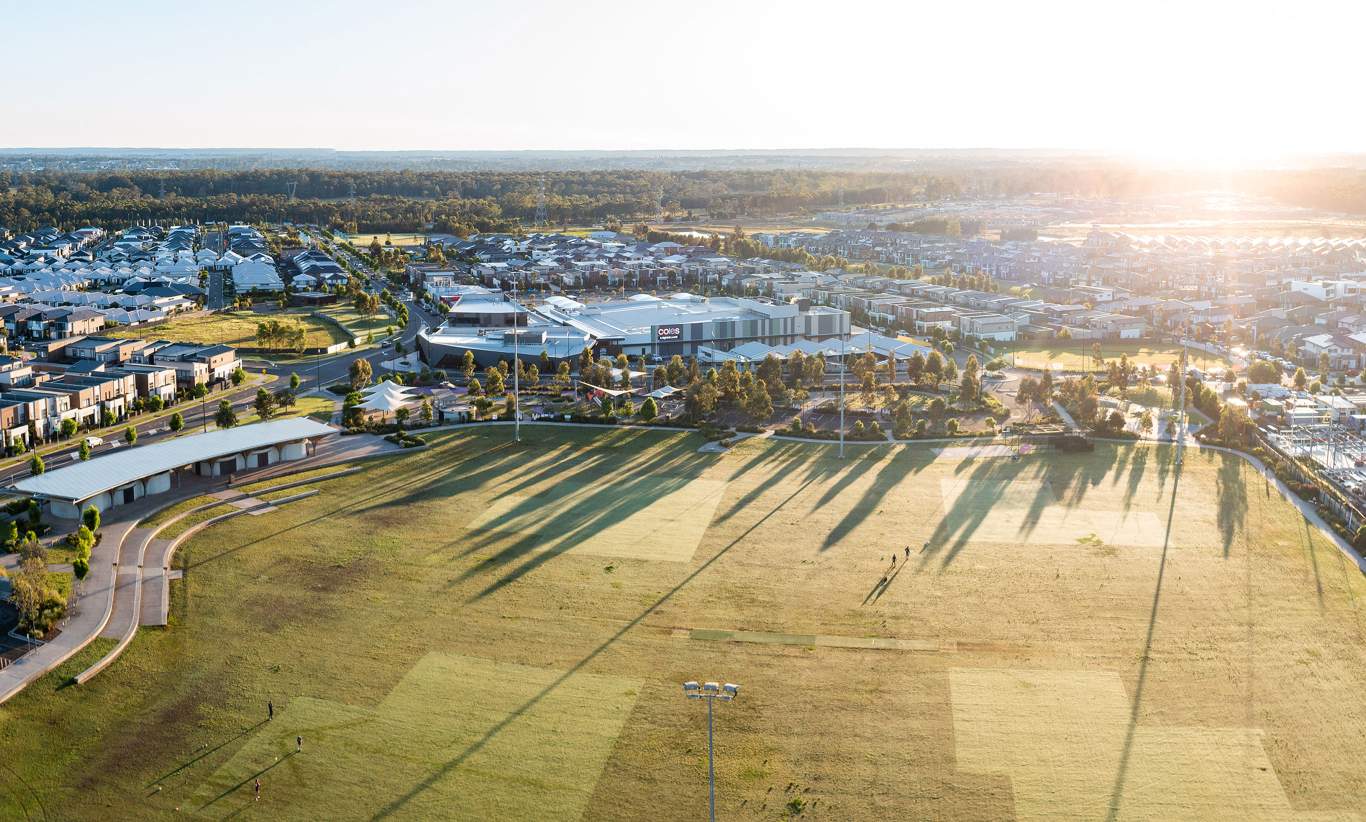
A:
(460, 202)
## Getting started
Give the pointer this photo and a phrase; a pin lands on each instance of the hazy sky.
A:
(1220, 81)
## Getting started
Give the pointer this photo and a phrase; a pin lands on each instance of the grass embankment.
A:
(237, 328)
(483, 630)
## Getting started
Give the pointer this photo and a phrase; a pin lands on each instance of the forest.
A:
(464, 201)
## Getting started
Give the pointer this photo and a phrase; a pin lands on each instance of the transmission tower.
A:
(161, 188)
(542, 216)
(291, 187)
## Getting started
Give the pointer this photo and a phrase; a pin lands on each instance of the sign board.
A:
(668, 333)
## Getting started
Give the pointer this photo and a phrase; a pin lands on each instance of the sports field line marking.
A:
(872, 643)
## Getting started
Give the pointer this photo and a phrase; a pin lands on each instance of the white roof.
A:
(86, 479)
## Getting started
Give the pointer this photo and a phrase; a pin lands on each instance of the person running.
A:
(893, 560)
(258, 789)
(270, 710)
(298, 744)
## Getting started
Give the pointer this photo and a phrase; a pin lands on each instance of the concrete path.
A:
(156, 582)
(94, 608)
(126, 596)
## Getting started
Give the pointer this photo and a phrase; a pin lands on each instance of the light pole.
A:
(711, 692)
(841, 398)
(516, 371)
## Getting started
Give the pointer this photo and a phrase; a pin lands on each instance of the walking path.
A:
(111, 601)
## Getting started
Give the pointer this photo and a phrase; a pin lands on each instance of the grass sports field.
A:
(479, 630)
(1077, 354)
(237, 328)
(362, 241)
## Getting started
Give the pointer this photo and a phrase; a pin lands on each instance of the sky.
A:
(1214, 82)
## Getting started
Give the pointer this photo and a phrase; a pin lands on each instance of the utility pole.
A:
(841, 397)
(516, 371)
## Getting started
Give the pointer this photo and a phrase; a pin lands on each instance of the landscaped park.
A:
(484, 630)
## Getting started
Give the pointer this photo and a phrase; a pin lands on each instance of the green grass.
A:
(303, 407)
(236, 328)
(358, 324)
(442, 661)
(1074, 355)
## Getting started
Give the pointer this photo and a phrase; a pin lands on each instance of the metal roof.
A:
(84, 480)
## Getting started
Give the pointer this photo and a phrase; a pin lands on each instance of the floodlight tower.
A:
(711, 692)
(1181, 402)
(516, 371)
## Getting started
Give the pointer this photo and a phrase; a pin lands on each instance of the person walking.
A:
(258, 790)
(908, 552)
(298, 744)
(270, 710)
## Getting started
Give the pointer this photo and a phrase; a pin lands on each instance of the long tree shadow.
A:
(1231, 491)
(1127, 750)
(891, 472)
(479, 744)
(345, 506)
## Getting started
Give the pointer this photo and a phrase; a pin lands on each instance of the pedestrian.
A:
(926, 548)
(893, 560)
(270, 710)
(908, 552)
(298, 744)
(258, 789)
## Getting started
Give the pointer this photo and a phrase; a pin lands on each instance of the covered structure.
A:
(129, 475)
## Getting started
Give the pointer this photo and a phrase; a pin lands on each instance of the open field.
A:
(1074, 355)
(357, 323)
(362, 241)
(480, 630)
(237, 328)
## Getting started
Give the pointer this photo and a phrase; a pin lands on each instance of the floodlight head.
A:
(692, 690)
(731, 690)
(711, 688)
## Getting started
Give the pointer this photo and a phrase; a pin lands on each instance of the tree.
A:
(728, 383)
(648, 409)
(700, 400)
(915, 368)
(35, 465)
(85, 450)
(495, 380)
(130, 435)
(676, 370)
(1301, 379)
(177, 421)
(1145, 422)
(294, 383)
(226, 417)
(238, 376)
(153, 404)
(360, 373)
(67, 428)
(660, 378)
(759, 405)
(400, 417)
(265, 404)
(91, 518)
(475, 388)
(1233, 426)
(509, 406)
(1262, 372)
(467, 365)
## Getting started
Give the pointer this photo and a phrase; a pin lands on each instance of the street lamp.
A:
(711, 692)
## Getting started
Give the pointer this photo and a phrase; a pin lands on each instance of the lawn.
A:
(481, 630)
(1077, 354)
(236, 328)
(362, 241)
(319, 408)
(357, 323)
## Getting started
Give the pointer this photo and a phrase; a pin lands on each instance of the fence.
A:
(1329, 495)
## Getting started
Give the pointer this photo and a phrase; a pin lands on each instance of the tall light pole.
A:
(516, 371)
(841, 398)
(711, 692)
